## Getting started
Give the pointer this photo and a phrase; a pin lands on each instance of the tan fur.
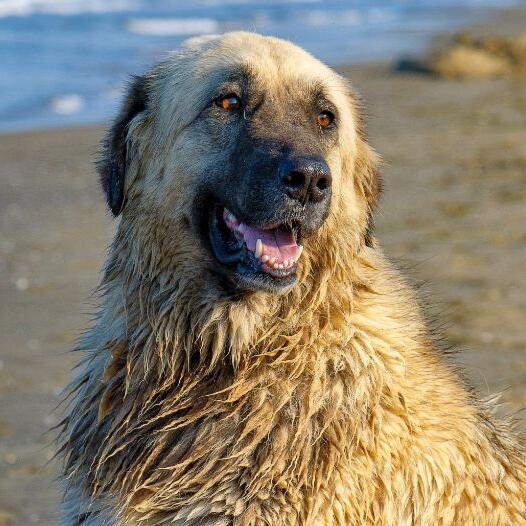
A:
(328, 405)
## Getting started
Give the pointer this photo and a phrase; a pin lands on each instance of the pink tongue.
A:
(277, 244)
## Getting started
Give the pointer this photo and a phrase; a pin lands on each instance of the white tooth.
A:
(272, 261)
(299, 253)
(259, 249)
(286, 263)
(280, 266)
(265, 258)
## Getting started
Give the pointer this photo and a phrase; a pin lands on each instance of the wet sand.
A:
(453, 216)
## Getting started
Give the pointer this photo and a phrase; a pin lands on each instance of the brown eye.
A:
(228, 102)
(324, 119)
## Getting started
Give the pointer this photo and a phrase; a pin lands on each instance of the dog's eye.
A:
(228, 102)
(324, 119)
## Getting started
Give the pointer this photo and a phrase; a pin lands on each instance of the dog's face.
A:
(246, 145)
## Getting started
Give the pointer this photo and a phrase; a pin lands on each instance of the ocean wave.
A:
(348, 17)
(61, 7)
(268, 3)
(67, 104)
(317, 17)
(165, 27)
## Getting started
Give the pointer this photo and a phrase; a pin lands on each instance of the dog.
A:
(256, 359)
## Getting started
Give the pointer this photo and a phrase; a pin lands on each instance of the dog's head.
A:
(237, 152)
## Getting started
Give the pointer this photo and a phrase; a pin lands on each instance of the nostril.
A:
(322, 183)
(305, 178)
(295, 180)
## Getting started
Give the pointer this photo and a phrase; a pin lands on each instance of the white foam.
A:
(164, 27)
(67, 104)
(268, 2)
(350, 17)
(61, 7)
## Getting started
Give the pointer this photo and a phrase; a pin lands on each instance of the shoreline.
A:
(452, 215)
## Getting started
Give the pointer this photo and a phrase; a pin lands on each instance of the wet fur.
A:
(327, 405)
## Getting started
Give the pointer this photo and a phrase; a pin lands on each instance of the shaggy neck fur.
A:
(197, 409)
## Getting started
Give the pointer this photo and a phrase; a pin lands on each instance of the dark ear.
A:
(111, 164)
(372, 186)
(368, 165)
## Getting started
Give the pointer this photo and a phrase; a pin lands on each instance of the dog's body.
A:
(222, 385)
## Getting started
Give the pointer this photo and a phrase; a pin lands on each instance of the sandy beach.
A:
(453, 216)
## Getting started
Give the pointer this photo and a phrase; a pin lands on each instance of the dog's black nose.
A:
(305, 178)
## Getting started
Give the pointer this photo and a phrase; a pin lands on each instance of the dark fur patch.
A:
(373, 196)
(112, 162)
(369, 231)
(82, 518)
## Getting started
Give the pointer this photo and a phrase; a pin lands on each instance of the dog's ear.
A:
(371, 185)
(111, 164)
(369, 180)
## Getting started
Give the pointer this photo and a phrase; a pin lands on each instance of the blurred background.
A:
(62, 62)
(445, 86)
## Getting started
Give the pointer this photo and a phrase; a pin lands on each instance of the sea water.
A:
(65, 62)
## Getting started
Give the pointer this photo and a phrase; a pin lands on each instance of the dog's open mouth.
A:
(267, 256)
